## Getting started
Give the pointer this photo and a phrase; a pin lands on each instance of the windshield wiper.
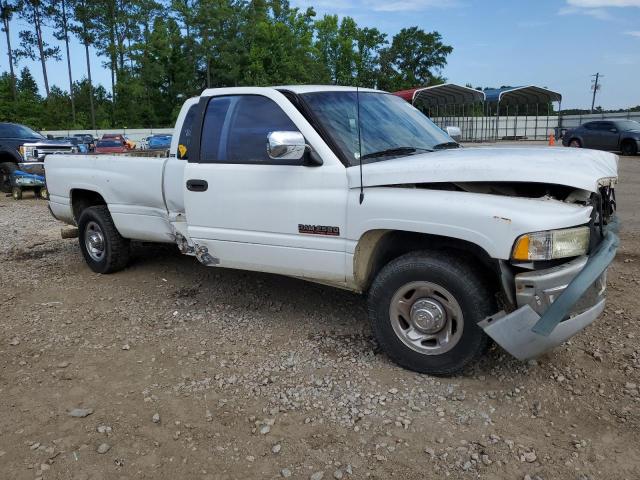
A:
(395, 151)
(445, 145)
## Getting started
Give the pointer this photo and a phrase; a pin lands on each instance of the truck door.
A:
(256, 213)
(609, 136)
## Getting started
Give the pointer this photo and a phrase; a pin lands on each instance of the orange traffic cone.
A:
(552, 140)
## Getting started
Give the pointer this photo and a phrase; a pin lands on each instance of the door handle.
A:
(197, 185)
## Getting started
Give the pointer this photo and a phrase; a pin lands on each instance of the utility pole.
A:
(595, 86)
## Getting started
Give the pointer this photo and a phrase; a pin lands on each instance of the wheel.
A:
(44, 193)
(17, 193)
(424, 308)
(629, 148)
(6, 169)
(102, 246)
(575, 143)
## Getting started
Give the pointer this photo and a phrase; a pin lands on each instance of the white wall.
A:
(135, 134)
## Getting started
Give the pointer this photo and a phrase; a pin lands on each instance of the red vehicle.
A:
(119, 138)
(110, 146)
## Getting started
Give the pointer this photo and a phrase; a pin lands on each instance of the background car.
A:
(110, 146)
(86, 139)
(23, 148)
(159, 141)
(130, 144)
(613, 135)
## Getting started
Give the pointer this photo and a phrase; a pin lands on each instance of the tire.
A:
(629, 148)
(458, 289)
(575, 143)
(6, 169)
(44, 193)
(102, 246)
(16, 193)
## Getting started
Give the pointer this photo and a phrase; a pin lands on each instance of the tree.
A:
(32, 44)
(83, 28)
(59, 14)
(6, 12)
(414, 58)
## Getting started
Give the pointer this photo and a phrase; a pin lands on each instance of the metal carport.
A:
(449, 105)
(519, 98)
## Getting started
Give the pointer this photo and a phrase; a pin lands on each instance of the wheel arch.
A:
(376, 248)
(82, 199)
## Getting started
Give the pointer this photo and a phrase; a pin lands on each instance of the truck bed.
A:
(131, 186)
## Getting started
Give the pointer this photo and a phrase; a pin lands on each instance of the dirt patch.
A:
(194, 372)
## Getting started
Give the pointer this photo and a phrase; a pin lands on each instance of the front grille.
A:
(52, 150)
(604, 209)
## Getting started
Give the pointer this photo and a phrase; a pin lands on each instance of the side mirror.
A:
(286, 145)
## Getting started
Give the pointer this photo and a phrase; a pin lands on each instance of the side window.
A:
(253, 118)
(591, 125)
(184, 141)
(214, 117)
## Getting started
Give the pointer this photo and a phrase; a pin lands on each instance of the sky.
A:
(558, 44)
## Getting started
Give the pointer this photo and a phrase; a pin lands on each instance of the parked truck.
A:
(357, 189)
(22, 149)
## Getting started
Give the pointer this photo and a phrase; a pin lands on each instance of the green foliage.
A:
(161, 52)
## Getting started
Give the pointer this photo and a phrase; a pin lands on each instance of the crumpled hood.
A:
(573, 167)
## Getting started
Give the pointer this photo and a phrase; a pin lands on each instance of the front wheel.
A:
(424, 310)
(629, 148)
(575, 143)
(16, 193)
(102, 246)
(44, 193)
(6, 169)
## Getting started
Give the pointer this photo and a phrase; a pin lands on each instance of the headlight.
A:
(552, 244)
(28, 153)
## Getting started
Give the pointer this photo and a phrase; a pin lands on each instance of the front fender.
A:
(492, 222)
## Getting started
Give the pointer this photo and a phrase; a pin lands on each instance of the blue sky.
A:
(554, 43)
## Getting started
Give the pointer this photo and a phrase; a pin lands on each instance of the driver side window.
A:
(252, 119)
(236, 127)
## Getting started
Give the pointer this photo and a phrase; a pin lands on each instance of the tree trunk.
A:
(6, 20)
(38, 27)
(93, 112)
(66, 42)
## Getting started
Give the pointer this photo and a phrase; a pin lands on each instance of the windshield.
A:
(17, 131)
(109, 143)
(389, 126)
(628, 125)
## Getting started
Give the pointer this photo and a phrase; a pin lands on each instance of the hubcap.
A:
(426, 318)
(94, 241)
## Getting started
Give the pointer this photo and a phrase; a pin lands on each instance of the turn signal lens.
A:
(552, 244)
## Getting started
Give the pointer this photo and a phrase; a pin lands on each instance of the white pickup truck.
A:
(358, 189)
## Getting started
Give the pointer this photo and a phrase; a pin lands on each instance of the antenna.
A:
(359, 142)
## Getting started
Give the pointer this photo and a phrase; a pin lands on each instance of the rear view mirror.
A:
(286, 145)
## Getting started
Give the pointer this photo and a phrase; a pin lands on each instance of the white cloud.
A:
(597, 13)
(603, 3)
(633, 33)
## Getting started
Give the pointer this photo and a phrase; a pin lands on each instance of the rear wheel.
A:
(629, 148)
(16, 193)
(575, 143)
(6, 169)
(102, 246)
(424, 310)
(44, 193)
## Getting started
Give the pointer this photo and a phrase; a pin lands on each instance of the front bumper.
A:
(555, 304)
(32, 167)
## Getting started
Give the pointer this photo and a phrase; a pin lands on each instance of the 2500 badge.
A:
(318, 230)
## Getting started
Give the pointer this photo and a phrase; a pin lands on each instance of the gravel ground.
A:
(174, 370)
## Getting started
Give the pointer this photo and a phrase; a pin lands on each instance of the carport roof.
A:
(445, 94)
(525, 95)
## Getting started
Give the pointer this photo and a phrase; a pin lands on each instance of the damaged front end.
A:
(553, 304)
